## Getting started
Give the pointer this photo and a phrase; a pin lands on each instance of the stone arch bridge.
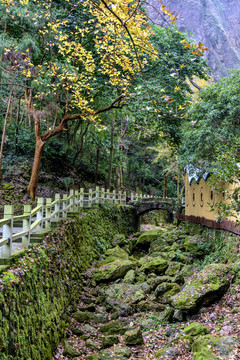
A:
(171, 205)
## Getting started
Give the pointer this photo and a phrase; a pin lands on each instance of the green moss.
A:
(35, 297)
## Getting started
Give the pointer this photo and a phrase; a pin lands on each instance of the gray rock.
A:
(99, 318)
(149, 324)
(109, 341)
(133, 337)
(113, 270)
(115, 327)
(91, 345)
(129, 277)
(158, 266)
(82, 316)
(203, 288)
(69, 350)
(203, 347)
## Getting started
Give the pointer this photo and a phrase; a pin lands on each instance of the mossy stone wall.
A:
(42, 287)
(220, 245)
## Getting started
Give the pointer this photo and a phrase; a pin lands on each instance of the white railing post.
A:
(90, 197)
(124, 197)
(7, 231)
(103, 195)
(57, 207)
(39, 227)
(97, 195)
(114, 196)
(26, 226)
(76, 200)
(64, 206)
(132, 196)
(119, 197)
(72, 200)
(48, 214)
(108, 195)
(81, 197)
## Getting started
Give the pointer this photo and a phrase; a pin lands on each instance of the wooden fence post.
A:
(7, 231)
(26, 226)
(39, 227)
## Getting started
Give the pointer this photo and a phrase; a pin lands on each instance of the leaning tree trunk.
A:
(4, 131)
(32, 187)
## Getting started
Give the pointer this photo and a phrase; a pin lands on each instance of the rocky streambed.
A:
(148, 298)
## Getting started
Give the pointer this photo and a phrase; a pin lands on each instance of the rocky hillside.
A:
(213, 22)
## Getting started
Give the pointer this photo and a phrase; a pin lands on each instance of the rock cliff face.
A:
(216, 23)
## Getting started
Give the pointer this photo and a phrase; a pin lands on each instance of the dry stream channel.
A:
(152, 296)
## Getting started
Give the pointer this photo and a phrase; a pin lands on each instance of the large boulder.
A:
(127, 293)
(195, 329)
(147, 237)
(133, 337)
(114, 254)
(204, 346)
(113, 270)
(203, 288)
(157, 266)
(194, 245)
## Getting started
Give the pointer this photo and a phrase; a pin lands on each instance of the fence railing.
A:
(17, 230)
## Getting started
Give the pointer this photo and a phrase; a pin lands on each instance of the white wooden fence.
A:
(16, 230)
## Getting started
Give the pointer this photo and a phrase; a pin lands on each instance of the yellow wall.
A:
(198, 196)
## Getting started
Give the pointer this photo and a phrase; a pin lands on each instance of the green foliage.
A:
(212, 122)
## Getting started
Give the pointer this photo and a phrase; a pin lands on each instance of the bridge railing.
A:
(16, 231)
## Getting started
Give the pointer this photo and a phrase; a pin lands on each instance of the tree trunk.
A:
(97, 163)
(4, 130)
(111, 156)
(32, 187)
(165, 184)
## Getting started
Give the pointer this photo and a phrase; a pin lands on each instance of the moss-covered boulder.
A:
(204, 346)
(203, 288)
(119, 353)
(173, 268)
(69, 351)
(109, 341)
(114, 254)
(113, 270)
(129, 278)
(157, 266)
(133, 337)
(194, 245)
(147, 237)
(129, 294)
(114, 327)
(195, 329)
(82, 316)
(165, 287)
(165, 291)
